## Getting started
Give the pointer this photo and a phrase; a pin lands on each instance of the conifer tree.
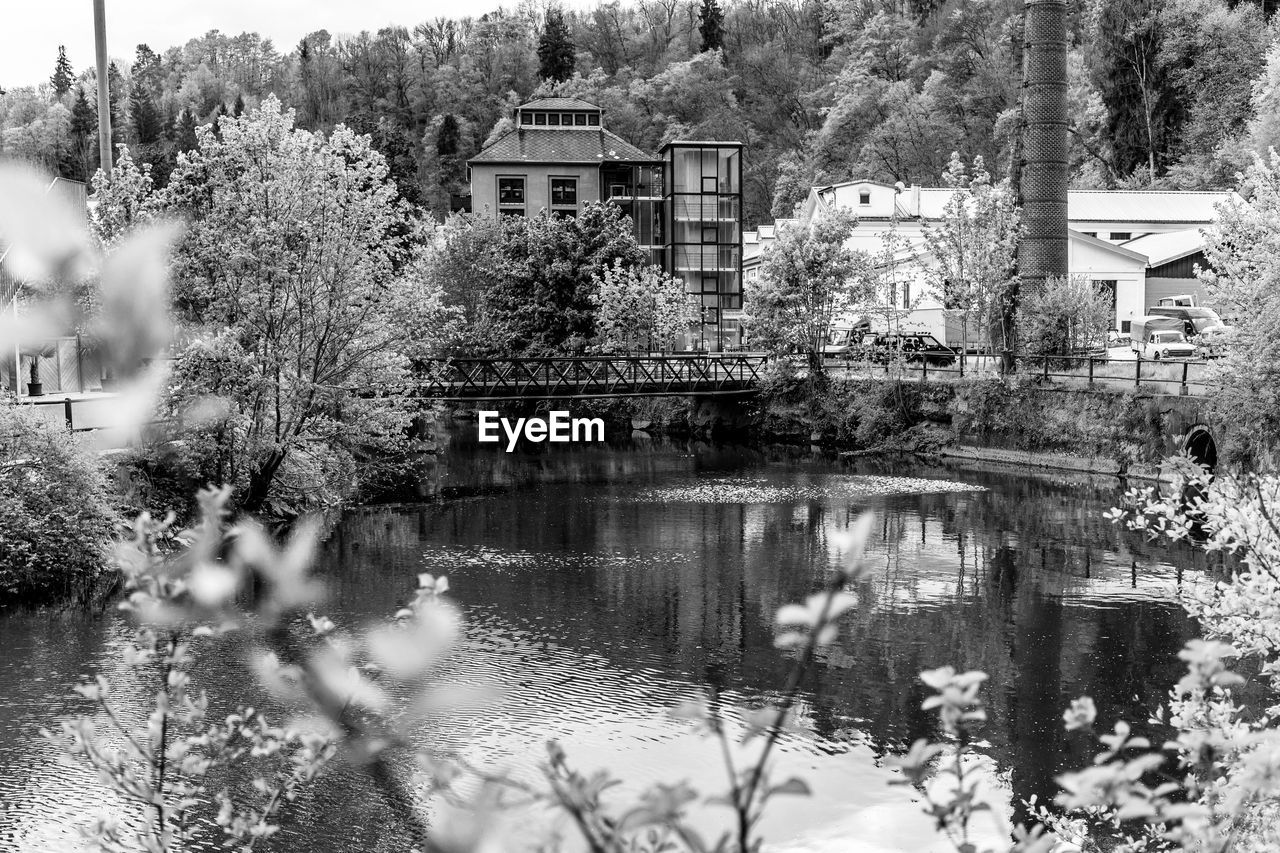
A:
(711, 25)
(63, 74)
(555, 48)
(145, 116)
(238, 109)
(185, 131)
(84, 124)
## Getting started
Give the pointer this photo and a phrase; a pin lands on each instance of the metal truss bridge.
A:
(602, 377)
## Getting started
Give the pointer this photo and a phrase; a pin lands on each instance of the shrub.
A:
(55, 516)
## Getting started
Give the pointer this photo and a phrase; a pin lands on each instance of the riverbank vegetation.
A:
(56, 512)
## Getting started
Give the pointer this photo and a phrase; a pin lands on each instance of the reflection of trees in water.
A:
(1019, 581)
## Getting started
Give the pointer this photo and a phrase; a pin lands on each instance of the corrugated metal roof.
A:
(558, 104)
(1135, 206)
(560, 145)
(1145, 205)
(1162, 248)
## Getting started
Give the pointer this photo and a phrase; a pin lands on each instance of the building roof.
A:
(1146, 205)
(1163, 248)
(561, 145)
(1135, 206)
(558, 104)
(1115, 248)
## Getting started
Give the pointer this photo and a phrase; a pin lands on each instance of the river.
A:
(603, 585)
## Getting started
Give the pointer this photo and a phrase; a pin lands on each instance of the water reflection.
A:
(604, 585)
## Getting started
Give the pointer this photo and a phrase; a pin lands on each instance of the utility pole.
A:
(104, 86)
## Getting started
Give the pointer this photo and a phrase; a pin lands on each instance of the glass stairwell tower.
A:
(702, 206)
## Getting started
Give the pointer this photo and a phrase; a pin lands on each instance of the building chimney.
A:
(1042, 251)
(915, 201)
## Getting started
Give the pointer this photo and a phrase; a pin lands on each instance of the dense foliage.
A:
(1243, 249)
(809, 279)
(974, 247)
(55, 511)
(1069, 315)
(1170, 91)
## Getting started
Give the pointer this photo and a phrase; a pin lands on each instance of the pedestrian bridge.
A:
(575, 378)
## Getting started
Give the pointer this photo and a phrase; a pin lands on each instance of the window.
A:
(906, 294)
(579, 119)
(593, 120)
(708, 183)
(864, 197)
(511, 196)
(709, 234)
(540, 118)
(564, 195)
(710, 284)
(553, 119)
(566, 119)
(1126, 326)
(1089, 233)
(1121, 235)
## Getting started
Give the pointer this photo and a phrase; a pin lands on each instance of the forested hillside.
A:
(1171, 93)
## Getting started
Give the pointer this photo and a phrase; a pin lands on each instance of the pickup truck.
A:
(1158, 337)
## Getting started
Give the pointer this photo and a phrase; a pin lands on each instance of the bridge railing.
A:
(592, 376)
(1192, 377)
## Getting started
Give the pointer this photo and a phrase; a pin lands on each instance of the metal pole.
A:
(17, 354)
(104, 87)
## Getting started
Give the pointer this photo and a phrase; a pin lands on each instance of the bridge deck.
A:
(461, 379)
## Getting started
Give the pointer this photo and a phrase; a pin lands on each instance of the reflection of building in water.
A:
(1026, 581)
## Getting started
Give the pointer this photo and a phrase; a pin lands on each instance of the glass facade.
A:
(637, 188)
(702, 211)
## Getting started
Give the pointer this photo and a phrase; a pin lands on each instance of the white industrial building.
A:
(1142, 244)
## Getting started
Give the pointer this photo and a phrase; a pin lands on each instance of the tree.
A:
(1068, 315)
(122, 200)
(974, 246)
(63, 74)
(1243, 250)
(292, 247)
(711, 25)
(540, 302)
(237, 109)
(55, 512)
(184, 136)
(84, 129)
(809, 279)
(641, 308)
(145, 117)
(555, 48)
(1134, 84)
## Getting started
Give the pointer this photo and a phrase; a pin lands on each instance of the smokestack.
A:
(104, 86)
(1042, 252)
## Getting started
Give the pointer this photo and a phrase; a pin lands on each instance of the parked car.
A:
(915, 349)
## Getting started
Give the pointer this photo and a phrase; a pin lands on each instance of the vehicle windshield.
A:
(1167, 337)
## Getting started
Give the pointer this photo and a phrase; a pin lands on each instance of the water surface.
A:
(602, 586)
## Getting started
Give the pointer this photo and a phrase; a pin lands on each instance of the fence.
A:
(1179, 378)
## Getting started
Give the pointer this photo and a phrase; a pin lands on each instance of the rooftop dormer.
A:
(558, 113)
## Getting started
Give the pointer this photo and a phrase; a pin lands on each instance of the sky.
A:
(31, 30)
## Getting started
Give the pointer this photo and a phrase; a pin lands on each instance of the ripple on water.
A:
(740, 490)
